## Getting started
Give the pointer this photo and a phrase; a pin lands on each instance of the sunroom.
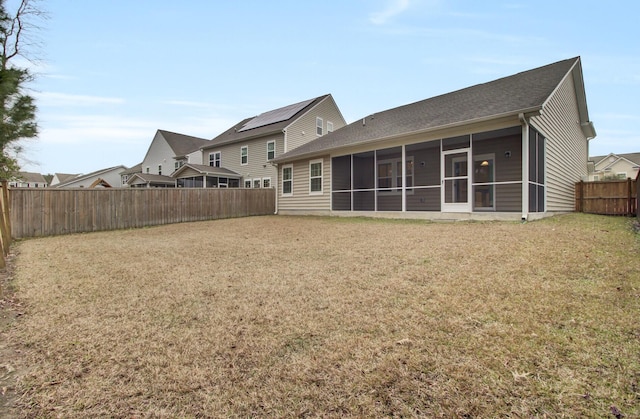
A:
(481, 172)
(201, 176)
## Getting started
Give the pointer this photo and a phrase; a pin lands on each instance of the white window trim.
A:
(250, 183)
(287, 166)
(321, 191)
(274, 149)
(253, 183)
(214, 153)
(395, 189)
(266, 179)
(329, 127)
(319, 124)
(244, 147)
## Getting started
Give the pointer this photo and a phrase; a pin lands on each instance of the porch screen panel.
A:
(454, 143)
(364, 170)
(536, 171)
(341, 173)
(341, 181)
(364, 200)
(508, 197)
(341, 201)
(423, 199)
(426, 163)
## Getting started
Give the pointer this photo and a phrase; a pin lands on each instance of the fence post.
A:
(5, 218)
(629, 198)
(5, 233)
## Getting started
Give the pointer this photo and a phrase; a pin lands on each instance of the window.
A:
(247, 183)
(271, 150)
(160, 169)
(215, 159)
(315, 176)
(176, 165)
(621, 175)
(390, 174)
(148, 169)
(329, 126)
(257, 182)
(319, 126)
(596, 177)
(287, 180)
(244, 155)
(266, 182)
(484, 169)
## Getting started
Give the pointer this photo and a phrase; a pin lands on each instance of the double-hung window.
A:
(215, 159)
(315, 177)
(319, 126)
(244, 155)
(287, 180)
(390, 174)
(329, 127)
(271, 150)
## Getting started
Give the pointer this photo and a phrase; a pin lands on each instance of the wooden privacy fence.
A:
(47, 212)
(615, 197)
(5, 225)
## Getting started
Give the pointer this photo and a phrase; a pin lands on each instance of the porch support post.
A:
(404, 179)
(525, 167)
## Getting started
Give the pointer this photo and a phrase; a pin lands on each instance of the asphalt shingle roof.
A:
(182, 144)
(523, 92)
(236, 132)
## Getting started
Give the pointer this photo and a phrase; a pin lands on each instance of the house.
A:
(62, 177)
(125, 174)
(167, 152)
(511, 148)
(242, 155)
(104, 178)
(28, 180)
(615, 166)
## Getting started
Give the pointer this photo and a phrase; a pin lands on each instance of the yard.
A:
(294, 316)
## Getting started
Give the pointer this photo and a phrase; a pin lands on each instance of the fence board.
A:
(47, 212)
(607, 197)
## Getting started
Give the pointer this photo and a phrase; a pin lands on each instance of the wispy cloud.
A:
(394, 8)
(65, 99)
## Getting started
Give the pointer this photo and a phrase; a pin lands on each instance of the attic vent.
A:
(364, 121)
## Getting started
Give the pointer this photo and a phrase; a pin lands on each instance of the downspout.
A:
(525, 166)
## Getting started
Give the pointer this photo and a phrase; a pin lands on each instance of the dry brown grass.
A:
(286, 316)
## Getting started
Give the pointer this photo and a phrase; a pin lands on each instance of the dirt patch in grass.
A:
(295, 316)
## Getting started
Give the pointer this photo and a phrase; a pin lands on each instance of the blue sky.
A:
(110, 73)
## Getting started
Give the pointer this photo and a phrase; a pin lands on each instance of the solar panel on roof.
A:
(276, 115)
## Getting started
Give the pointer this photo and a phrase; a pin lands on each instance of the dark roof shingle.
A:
(523, 92)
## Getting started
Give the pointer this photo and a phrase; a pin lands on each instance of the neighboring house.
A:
(242, 155)
(105, 178)
(615, 166)
(167, 152)
(508, 149)
(62, 178)
(28, 180)
(126, 174)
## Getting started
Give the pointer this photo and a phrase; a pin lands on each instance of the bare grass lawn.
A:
(300, 316)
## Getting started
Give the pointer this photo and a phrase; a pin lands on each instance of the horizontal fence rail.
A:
(618, 197)
(48, 212)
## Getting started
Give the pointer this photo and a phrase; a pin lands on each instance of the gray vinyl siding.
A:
(566, 147)
(257, 164)
(159, 154)
(303, 129)
(301, 199)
